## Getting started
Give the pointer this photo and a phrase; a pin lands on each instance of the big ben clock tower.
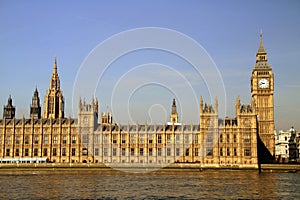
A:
(262, 91)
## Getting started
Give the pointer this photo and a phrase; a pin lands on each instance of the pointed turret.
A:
(9, 110)
(174, 114)
(35, 108)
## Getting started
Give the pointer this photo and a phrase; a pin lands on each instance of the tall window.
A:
(247, 152)
(187, 152)
(150, 151)
(55, 140)
(35, 152)
(234, 138)
(159, 139)
(177, 152)
(64, 152)
(196, 139)
(123, 139)
(45, 152)
(64, 139)
(169, 138)
(8, 140)
(132, 151)
(26, 139)
(18, 140)
(26, 152)
(228, 151)
(114, 151)
(114, 139)
(73, 139)
(96, 139)
(36, 139)
(168, 151)
(159, 151)
(234, 152)
(123, 152)
(187, 139)
(85, 139)
(150, 138)
(17, 152)
(105, 153)
(84, 151)
(74, 152)
(54, 152)
(221, 138)
(7, 152)
(209, 151)
(221, 151)
(141, 151)
(228, 138)
(196, 151)
(142, 137)
(177, 139)
(247, 138)
(46, 139)
(96, 152)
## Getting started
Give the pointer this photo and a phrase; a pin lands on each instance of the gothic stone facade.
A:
(217, 142)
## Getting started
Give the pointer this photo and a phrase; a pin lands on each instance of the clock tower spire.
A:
(262, 92)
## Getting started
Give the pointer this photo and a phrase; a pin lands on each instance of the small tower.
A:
(9, 110)
(35, 108)
(174, 114)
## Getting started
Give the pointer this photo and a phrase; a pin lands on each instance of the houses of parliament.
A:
(242, 141)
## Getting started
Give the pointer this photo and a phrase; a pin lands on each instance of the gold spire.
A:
(55, 66)
(261, 55)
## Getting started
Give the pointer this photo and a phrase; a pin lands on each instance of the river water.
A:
(83, 184)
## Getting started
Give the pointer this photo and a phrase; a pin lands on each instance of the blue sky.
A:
(33, 32)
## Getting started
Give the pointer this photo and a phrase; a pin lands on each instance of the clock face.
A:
(263, 83)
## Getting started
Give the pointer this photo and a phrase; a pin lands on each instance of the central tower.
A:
(262, 92)
(54, 100)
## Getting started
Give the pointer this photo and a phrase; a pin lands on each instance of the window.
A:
(141, 151)
(159, 151)
(85, 139)
(168, 151)
(177, 152)
(84, 151)
(150, 152)
(234, 152)
(169, 138)
(177, 139)
(123, 139)
(123, 152)
(196, 151)
(26, 152)
(73, 139)
(26, 139)
(228, 151)
(234, 138)
(17, 140)
(221, 138)
(187, 139)
(114, 139)
(159, 139)
(196, 139)
(74, 152)
(221, 152)
(187, 152)
(150, 139)
(142, 137)
(105, 152)
(114, 151)
(247, 152)
(132, 139)
(36, 140)
(209, 151)
(55, 140)
(64, 139)
(228, 138)
(45, 152)
(17, 152)
(8, 140)
(35, 152)
(7, 152)
(247, 138)
(64, 152)
(54, 152)
(45, 139)
(208, 138)
(132, 151)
